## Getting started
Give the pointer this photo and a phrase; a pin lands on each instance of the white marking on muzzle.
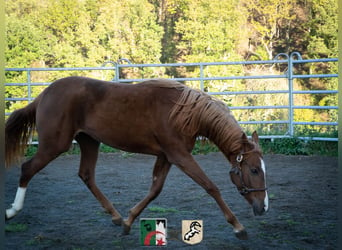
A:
(266, 194)
(18, 203)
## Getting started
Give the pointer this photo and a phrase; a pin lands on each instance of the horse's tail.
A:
(18, 130)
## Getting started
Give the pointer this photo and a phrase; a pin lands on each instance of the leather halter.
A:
(238, 170)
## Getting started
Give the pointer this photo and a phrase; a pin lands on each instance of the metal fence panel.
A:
(290, 62)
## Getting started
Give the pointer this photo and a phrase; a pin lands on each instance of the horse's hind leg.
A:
(89, 153)
(160, 171)
(28, 170)
(44, 155)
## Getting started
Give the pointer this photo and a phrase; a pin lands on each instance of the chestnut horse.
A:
(157, 117)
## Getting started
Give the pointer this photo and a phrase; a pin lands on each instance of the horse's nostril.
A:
(259, 208)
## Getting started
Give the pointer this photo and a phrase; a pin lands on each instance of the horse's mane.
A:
(196, 113)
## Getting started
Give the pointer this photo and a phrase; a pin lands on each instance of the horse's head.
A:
(248, 173)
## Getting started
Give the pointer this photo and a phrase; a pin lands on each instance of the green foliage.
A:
(86, 33)
(296, 146)
(77, 33)
(24, 44)
(204, 147)
(208, 30)
(31, 150)
(107, 149)
(322, 37)
(81, 33)
(268, 19)
(288, 146)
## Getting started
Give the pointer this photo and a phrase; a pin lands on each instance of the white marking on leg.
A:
(18, 203)
(266, 194)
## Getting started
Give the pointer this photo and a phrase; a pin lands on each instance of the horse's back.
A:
(83, 87)
(87, 94)
(118, 114)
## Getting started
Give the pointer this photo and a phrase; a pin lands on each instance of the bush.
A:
(296, 146)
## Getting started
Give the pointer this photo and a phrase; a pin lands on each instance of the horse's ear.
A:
(255, 137)
(244, 137)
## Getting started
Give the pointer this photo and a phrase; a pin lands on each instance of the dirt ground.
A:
(60, 212)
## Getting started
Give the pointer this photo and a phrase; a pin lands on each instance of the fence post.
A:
(116, 76)
(201, 76)
(288, 75)
(118, 63)
(29, 91)
(29, 96)
(290, 80)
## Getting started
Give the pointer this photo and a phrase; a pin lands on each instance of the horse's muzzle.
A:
(258, 208)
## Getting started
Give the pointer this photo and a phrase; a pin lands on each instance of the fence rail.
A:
(288, 62)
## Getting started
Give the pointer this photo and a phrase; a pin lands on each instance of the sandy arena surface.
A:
(61, 213)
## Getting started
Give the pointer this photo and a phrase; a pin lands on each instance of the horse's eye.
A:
(254, 171)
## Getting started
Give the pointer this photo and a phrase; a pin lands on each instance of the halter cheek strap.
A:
(238, 170)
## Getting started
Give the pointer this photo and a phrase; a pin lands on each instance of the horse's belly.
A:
(136, 141)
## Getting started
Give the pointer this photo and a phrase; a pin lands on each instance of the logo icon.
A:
(192, 231)
(153, 232)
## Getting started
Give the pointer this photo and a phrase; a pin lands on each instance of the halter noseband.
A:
(238, 170)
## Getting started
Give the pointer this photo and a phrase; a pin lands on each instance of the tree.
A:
(86, 33)
(128, 29)
(168, 13)
(209, 30)
(269, 20)
(322, 35)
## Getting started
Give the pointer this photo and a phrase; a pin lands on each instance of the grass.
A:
(162, 210)
(16, 227)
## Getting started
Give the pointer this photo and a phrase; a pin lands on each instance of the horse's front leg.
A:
(160, 171)
(189, 166)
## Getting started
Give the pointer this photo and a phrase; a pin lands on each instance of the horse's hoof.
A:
(126, 228)
(242, 234)
(117, 221)
(10, 213)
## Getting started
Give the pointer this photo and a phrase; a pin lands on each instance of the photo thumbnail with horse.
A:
(192, 231)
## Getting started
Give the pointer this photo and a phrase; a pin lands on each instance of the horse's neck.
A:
(227, 138)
